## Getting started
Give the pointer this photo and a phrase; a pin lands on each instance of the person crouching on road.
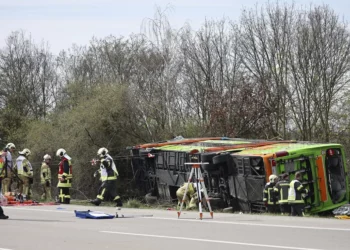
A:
(295, 199)
(65, 176)
(25, 173)
(45, 177)
(191, 198)
(281, 190)
(269, 196)
(109, 176)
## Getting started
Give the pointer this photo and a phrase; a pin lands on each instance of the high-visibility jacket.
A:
(295, 191)
(45, 173)
(2, 163)
(65, 172)
(190, 191)
(7, 164)
(108, 169)
(281, 189)
(269, 195)
(24, 167)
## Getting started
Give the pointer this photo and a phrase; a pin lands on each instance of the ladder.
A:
(196, 171)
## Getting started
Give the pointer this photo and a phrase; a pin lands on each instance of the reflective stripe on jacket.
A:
(24, 167)
(295, 191)
(269, 194)
(45, 173)
(281, 190)
(108, 172)
(65, 172)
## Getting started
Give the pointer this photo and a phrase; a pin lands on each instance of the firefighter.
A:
(109, 176)
(45, 175)
(295, 198)
(281, 190)
(65, 176)
(25, 173)
(8, 170)
(191, 198)
(2, 174)
(269, 196)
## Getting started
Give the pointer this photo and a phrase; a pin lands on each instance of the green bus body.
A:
(322, 165)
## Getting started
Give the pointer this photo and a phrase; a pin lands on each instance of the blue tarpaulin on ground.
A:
(93, 215)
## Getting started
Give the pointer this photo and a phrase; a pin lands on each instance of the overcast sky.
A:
(64, 22)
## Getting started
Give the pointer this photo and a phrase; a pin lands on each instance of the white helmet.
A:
(10, 145)
(272, 178)
(26, 152)
(47, 157)
(60, 152)
(102, 152)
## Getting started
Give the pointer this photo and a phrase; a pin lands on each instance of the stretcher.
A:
(92, 215)
(10, 200)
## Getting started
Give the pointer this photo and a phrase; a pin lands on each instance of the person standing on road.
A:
(65, 176)
(281, 190)
(109, 175)
(45, 175)
(269, 196)
(295, 199)
(25, 173)
(2, 165)
(8, 164)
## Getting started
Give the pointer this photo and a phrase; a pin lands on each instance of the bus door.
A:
(306, 166)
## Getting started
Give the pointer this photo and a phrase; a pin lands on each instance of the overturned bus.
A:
(238, 170)
(322, 165)
(160, 167)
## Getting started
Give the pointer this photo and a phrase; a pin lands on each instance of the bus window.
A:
(257, 165)
(335, 175)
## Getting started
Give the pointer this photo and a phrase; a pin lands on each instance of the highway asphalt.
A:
(55, 227)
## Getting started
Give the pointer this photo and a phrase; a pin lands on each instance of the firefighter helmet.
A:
(102, 152)
(60, 152)
(47, 157)
(26, 152)
(273, 178)
(10, 145)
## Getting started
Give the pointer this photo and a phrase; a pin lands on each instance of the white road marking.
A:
(40, 210)
(201, 221)
(4, 249)
(249, 224)
(210, 241)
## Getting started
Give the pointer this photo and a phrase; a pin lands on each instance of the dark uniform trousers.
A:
(297, 209)
(108, 188)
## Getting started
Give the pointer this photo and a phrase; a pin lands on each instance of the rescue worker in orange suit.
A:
(8, 168)
(25, 173)
(2, 174)
(269, 196)
(65, 176)
(109, 176)
(281, 190)
(45, 177)
(191, 198)
(295, 195)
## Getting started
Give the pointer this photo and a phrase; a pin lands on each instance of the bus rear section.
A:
(323, 174)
